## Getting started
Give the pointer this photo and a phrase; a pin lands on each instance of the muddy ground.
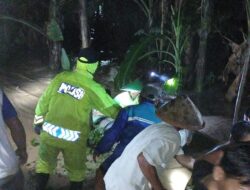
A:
(24, 83)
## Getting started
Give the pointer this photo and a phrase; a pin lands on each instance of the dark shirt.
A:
(201, 169)
(129, 122)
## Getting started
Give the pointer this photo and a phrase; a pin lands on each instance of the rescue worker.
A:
(11, 176)
(130, 94)
(62, 119)
(129, 122)
(150, 151)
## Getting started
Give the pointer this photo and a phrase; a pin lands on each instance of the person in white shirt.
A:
(11, 177)
(148, 154)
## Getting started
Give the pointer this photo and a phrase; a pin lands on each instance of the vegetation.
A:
(143, 35)
(156, 48)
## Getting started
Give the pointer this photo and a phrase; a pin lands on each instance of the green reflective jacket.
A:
(68, 102)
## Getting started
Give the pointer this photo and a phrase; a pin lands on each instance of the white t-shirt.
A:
(158, 143)
(8, 159)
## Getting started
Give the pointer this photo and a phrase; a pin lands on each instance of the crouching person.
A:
(129, 122)
(140, 164)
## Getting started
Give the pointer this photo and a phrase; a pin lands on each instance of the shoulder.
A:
(94, 86)
(163, 126)
(63, 74)
(162, 130)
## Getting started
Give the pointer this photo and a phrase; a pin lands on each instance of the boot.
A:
(41, 181)
(76, 185)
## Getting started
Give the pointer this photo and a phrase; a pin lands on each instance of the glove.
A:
(38, 128)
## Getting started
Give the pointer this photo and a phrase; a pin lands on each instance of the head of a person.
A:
(150, 93)
(240, 131)
(87, 60)
(233, 170)
(247, 115)
(134, 89)
(182, 113)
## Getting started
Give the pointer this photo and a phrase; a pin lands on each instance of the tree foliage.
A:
(118, 27)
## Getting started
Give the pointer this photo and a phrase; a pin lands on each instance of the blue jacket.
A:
(129, 122)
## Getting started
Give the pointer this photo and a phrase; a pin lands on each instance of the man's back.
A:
(68, 101)
(158, 142)
(139, 117)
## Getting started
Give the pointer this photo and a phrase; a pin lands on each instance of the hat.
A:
(181, 112)
(135, 86)
(87, 55)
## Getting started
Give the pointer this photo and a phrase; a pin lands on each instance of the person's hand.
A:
(22, 155)
(38, 129)
(95, 156)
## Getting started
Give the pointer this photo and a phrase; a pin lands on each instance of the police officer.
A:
(62, 116)
(130, 94)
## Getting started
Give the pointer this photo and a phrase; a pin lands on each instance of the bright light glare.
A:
(170, 82)
(153, 74)
(175, 178)
(179, 178)
(163, 78)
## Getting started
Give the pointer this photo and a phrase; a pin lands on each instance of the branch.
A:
(39, 30)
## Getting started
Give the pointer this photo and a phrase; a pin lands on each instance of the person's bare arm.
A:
(150, 173)
(186, 161)
(213, 157)
(19, 137)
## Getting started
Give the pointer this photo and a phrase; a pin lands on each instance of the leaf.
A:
(65, 60)
(54, 32)
(134, 53)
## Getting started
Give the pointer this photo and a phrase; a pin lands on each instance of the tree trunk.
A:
(55, 47)
(164, 9)
(200, 65)
(5, 41)
(190, 60)
(83, 24)
(203, 33)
